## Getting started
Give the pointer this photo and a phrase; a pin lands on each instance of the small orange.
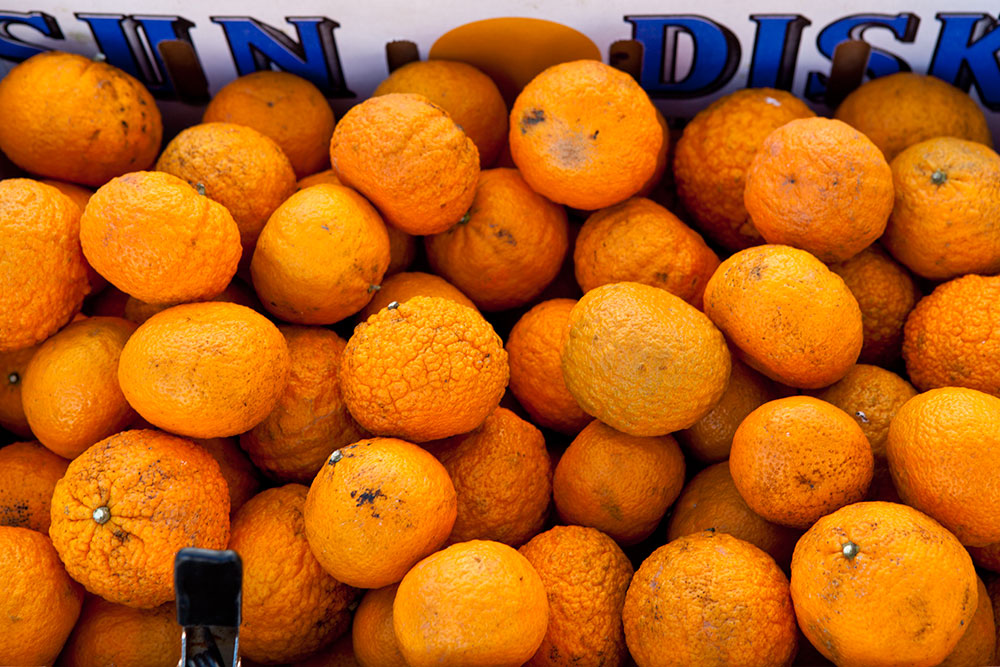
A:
(402, 250)
(124, 236)
(327, 176)
(71, 395)
(12, 367)
(409, 158)
(376, 508)
(987, 557)
(709, 599)
(28, 476)
(39, 602)
(374, 640)
(285, 107)
(585, 134)
(241, 477)
(113, 634)
(620, 484)
(586, 576)
(204, 370)
(978, 645)
(237, 292)
(320, 256)
(401, 287)
(487, 601)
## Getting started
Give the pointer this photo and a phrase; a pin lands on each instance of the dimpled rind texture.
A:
(910, 578)
(427, 369)
(409, 158)
(163, 493)
(402, 287)
(43, 275)
(709, 598)
(944, 453)
(28, 475)
(642, 360)
(155, 238)
(792, 318)
(113, 634)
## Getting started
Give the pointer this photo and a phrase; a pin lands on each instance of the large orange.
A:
(28, 476)
(113, 634)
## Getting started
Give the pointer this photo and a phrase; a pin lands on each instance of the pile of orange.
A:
(469, 384)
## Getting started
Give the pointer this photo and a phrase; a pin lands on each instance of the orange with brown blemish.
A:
(28, 476)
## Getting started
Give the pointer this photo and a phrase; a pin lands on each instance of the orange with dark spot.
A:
(12, 367)
(28, 476)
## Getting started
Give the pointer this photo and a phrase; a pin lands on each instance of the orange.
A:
(80, 196)
(642, 360)
(241, 477)
(321, 256)
(714, 153)
(792, 318)
(987, 557)
(236, 292)
(43, 275)
(884, 567)
(401, 287)
(128, 504)
(899, 110)
(507, 248)
(339, 654)
(77, 119)
(408, 157)
(819, 185)
(71, 395)
(487, 601)
(708, 599)
(796, 459)
(112, 634)
(620, 484)
(327, 176)
(204, 370)
(124, 236)
(585, 134)
(284, 107)
(503, 479)
(28, 476)
(310, 420)
(402, 250)
(978, 645)
(12, 367)
(376, 508)
(291, 606)
(586, 576)
(39, 603)
(535, 350)
(374, 640)
(429, 368)
(886, 294)
(944, 451)
(469, 96)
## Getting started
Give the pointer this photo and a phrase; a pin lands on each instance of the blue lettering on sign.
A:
(257, 46)
(775, 50)
(714, 60)
(12, 48)
(966, 55)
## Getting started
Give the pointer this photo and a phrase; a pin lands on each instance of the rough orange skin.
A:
(796, 459)
(978, 645)
(28, 475)
(310, 420)
(709, 599)
(620, 484)
(535, 350)
(154, 237)
(374, 640)
(80, 196)
(39, 603)
(922, 107)
(872, 396)
(819, 185)
(12, 367)
(944, 451)
(71, 395)
(586, 575)
(401, 287)
(714, 153)
(952, 337)
(507, 248)
(43, 275)
(488, 604)
(284, 107)
(503, 479)
(236, 292)
(160, 493)
(792, 318)
(75, 119)
(886, 294)
(376, 508)
(320, 256)
(239, 167)
(408, 157)
(711, 437)
(113, 634)
(241, 477)
(947, 195)
(204, 370)
(469, 96)
(427, 369)
(642, 360)
(585, 134)
(291, 606)
(909, 578)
